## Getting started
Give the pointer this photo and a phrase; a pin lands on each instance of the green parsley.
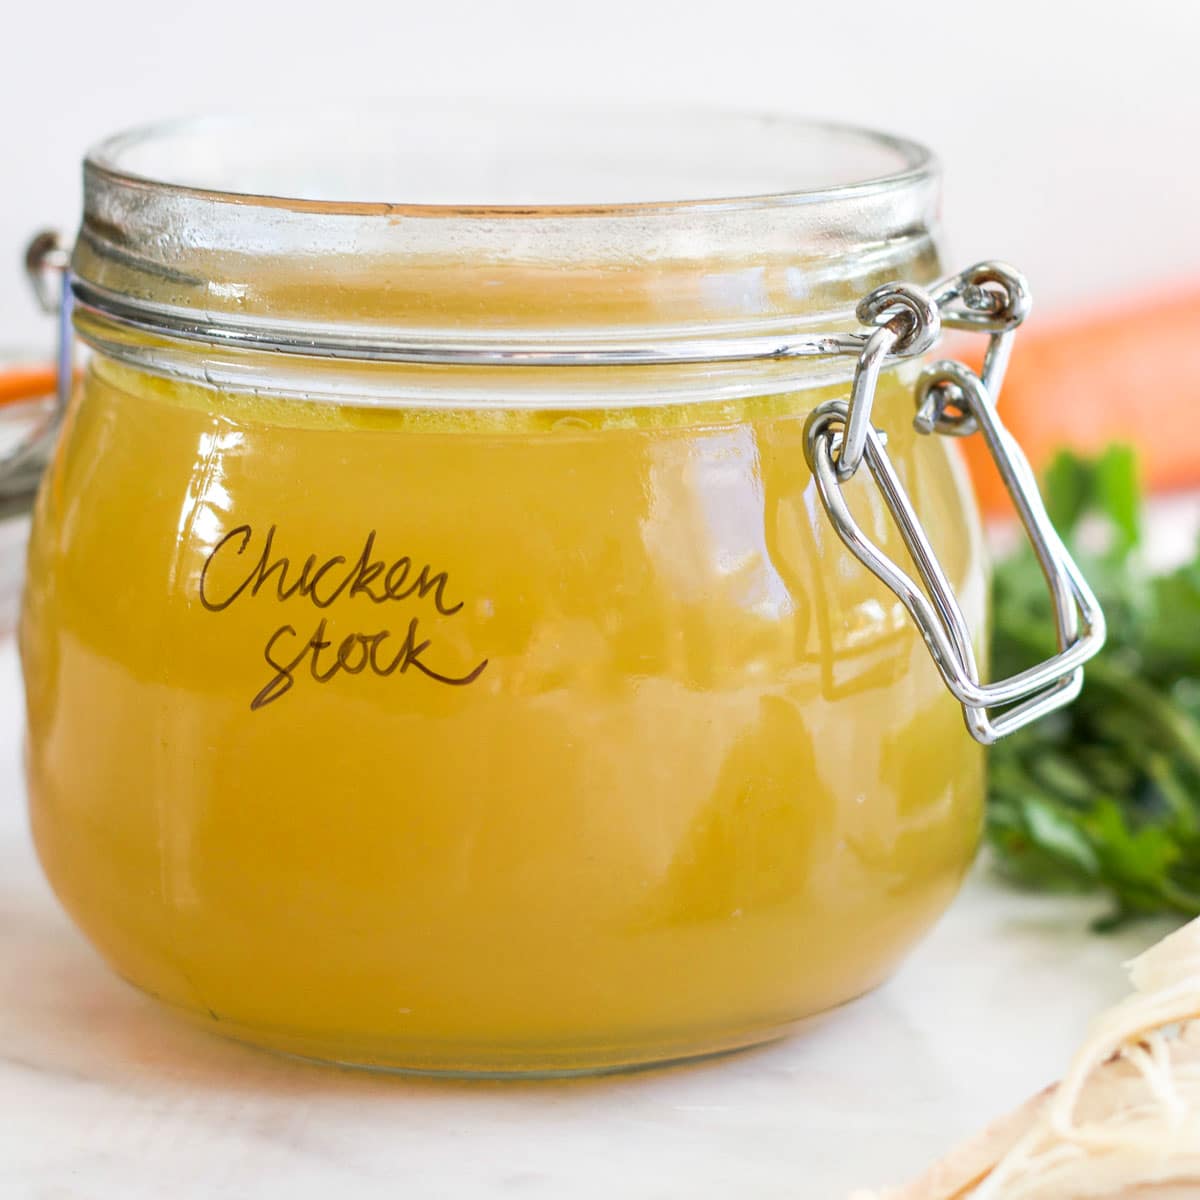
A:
(1104, 795)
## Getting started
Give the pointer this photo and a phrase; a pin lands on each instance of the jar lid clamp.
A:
(953, 400)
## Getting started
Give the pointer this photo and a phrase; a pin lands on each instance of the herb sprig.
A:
(1104, 795)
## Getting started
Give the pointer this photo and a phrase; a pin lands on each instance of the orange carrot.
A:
(26, 383)
(1127, 374)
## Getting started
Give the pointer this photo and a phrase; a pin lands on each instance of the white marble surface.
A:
(105, 1097)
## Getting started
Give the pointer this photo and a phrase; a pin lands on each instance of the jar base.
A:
(493, 1063)
(531, 1074)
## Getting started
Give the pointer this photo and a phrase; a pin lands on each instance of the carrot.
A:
(26, 383)
(1126, 374)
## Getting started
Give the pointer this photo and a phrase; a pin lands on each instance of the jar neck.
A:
(686, 296)
(364, 384)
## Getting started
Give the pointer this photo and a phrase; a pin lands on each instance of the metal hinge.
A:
(952, 399)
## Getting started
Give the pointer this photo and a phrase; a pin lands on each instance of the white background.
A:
(1069, 131)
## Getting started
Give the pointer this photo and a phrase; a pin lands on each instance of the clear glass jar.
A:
(410, 686)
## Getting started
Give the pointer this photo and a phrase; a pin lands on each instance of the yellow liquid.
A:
(658, 769)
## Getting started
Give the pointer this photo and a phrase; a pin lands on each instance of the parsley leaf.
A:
(1104, 795)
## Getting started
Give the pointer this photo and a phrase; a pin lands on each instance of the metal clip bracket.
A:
(951, 399)
(48, 267)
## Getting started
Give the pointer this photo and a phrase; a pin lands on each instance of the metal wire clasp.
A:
(47, 265)
(951, 399)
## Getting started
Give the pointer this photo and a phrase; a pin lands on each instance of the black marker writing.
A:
(322, 581)
(355, 653)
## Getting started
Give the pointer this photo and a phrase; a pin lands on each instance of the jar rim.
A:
(260, 242)
(169, 157)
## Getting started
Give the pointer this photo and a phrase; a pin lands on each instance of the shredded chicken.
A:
(1124, 1122)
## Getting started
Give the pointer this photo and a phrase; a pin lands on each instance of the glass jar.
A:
(437, 654)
